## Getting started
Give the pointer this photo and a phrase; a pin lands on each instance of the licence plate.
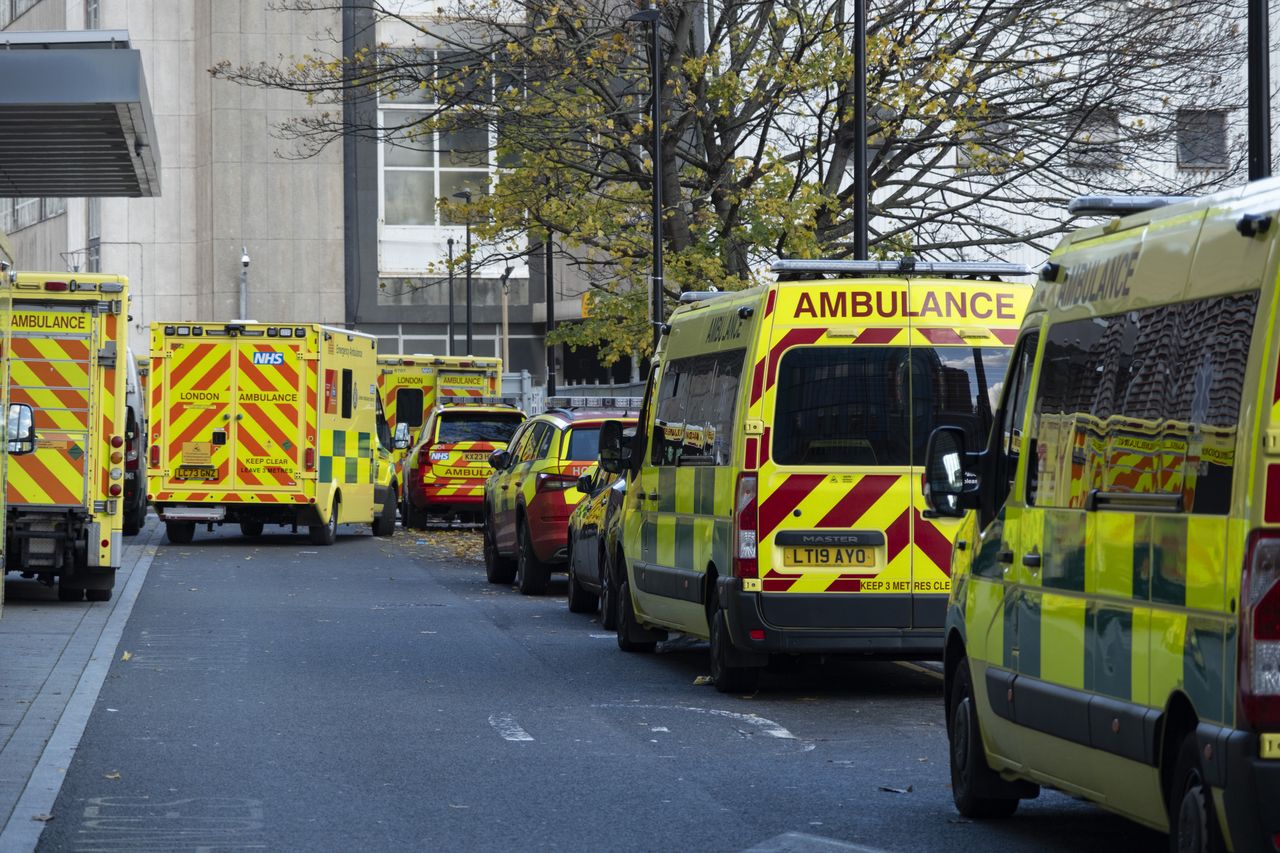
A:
(1270, 746)
(476, 457)
(195, 472)
(829, 557)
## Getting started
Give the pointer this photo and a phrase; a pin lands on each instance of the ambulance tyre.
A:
(728, 678)
(325, 534)
(608, 594)
(385, 523)
(968, 762)
(580, 601)
(628, 627)
(1193, 823)
(532, 575)
(180, 532)
(133, 520)
(497, 568)
(66, 593)
(251, 528)
(97, 594)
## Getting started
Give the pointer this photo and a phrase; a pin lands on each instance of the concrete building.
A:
(320, 244)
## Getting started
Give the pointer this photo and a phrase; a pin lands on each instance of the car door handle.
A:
(653, 496)
(1031, 561)
(1005, 556)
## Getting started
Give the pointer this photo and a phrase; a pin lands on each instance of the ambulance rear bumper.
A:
(890, 626)
(1250, 792)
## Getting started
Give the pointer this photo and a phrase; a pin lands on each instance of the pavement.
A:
(54, 656)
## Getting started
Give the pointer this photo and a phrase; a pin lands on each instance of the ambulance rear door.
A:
(269, 426)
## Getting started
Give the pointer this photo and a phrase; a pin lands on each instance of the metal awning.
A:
(75, 119)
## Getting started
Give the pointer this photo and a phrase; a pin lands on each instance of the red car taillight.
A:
(309, 458)
(745, 524)
(555, 482)
(1259, 651)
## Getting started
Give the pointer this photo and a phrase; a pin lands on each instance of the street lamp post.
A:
(506, 338)
(652, 16)
(465, 195)
(449, 348)
(860, 182)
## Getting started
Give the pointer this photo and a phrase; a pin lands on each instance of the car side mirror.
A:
(499, 460)
(612, 450)
(585, 482)
(22, 429)
(947, 481)
(401, 439)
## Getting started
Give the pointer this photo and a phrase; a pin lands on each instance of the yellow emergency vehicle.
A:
(1114, 621)
(67, 375)
(264, 423)
(773, 500)
(412, 385)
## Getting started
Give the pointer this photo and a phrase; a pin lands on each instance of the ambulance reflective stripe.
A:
(52, 375)
(269, 396)
(108, 408)
(198, 396)
(346, 456)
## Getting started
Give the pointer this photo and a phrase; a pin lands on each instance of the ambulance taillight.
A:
(155, 456)
(1260, 632)
(745, 525)
(309, 458)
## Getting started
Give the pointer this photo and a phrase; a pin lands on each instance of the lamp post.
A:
(651, 16)
(860, 182)
(244, 283)
(449, 348)
(465, 195)
(506, 338)
(1259, 92)
(551, 317)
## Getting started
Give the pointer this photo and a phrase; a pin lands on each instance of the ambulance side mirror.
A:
(585, 482)
(949, 486)
(499, 460)
(401, 439)
(614, 453)
(22, 429)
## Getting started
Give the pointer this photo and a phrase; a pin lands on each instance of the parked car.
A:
(135, 450)
(532, 491)
(593, 537)
(445, 469)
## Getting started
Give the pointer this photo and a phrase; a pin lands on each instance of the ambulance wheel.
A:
(627, 624)
(97, 594)
(385, 523)
(580, 601)
(1193, 823)
(251, 528)
(68, 594)
(497, 568)
(968, 762)
(325, 534)
(133, 520)
(608, 595)
(180, 532)
(728, 678)
(532, 575)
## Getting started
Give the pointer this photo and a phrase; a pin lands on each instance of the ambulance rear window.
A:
(477, 426)
(873, 406)
(409, 406)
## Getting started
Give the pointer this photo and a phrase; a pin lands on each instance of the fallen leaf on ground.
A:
(43, 818)
(701, 680)
(113, 775)
(126, 655)
(890, 789)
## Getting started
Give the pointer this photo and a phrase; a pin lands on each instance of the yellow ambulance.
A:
(64, 497)
(412, 385)
(1114, 621)
(265, 423)
(773, 499)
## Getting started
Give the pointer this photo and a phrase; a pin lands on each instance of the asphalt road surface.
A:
(380, 695)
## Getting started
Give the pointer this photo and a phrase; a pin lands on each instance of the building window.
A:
(421, 167)
(1095, 137)
(92, 14)
(93, 235)
(1202, 139)
(19, 213)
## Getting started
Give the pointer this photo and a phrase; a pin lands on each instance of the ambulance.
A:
(65, 481)
(773, 500)
(412, 385)
(264, 423)
(1114, 622)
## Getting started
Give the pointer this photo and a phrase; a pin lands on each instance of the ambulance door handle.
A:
(653, 496)
(1031, 561)
(1005, 556)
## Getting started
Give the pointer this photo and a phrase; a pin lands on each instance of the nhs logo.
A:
(268, 358)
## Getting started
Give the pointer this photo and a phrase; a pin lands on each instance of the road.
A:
(380, 695)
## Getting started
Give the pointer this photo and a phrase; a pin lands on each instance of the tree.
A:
(984, 119)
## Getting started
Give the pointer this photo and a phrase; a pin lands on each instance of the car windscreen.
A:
(477, 426)
(869, 406)
(583, 444)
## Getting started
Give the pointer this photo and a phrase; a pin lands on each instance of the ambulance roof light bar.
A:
(1120, 205)
(904, 266)
(594, 402)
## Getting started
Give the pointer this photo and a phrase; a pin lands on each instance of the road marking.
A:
(802, 842)
(765, 725)
(506, 725)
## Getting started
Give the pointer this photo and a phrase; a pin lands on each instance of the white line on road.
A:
(765, 725)
(506, 725)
